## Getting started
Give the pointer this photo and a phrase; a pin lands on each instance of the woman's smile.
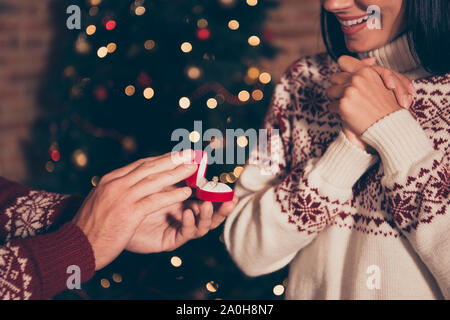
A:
(352, 25)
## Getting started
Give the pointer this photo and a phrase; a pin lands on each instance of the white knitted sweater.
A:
(350, 224)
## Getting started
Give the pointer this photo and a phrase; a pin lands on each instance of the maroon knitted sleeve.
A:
(37, 267)
(38, 244)
(25, 212)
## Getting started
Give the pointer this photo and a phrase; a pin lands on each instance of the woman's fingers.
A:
(333, 106)
(204, 219)
(401, 85)
(223, 212)
(336, 91)
(341, 78)
(188, 228)
(385, 74)
(160, 200)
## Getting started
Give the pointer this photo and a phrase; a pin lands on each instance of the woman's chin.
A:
(358, 46)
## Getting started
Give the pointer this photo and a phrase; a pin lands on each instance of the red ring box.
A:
(207, 190)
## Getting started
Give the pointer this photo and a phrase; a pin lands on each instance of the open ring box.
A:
(205, 190)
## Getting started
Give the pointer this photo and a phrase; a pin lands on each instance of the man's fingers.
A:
(157, 201)
(159, 165)
(341, 78)
(161, 181)
(145, 163)
(350, 64)
(120, 172)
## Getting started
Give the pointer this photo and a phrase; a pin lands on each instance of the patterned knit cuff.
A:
(54, 252)
(400, 141)
(340, 166)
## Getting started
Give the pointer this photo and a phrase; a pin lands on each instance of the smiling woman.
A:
(359, 206)
(427, 23)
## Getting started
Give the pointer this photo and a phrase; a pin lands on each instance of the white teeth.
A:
(349, 23)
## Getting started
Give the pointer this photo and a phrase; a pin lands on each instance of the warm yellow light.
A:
(93, 11)
(244, 95)
(254, 41)
(102, 52)
(202, 23)
(224, 177)
(95, 2)
(253, 73)
(117, 277)
(95, 180)
(252, 2)
(130, 90)
(184, 103)
(90, 30)
(80, 158)
(231, 178)
(105, 283)
(238, 171)
(129, 144)
(176, 261)
(278, 290)
(186, 47)
(265, 77)
(149, 44)
(227, 2)
(212, 286)
(149, 93)
(111, 47)
(233, 24)
(194, 136)
(194, 73)
(242, 141)
(50, 166)
(211, 103)
(69, 71)
(139, 11)
(257, 95)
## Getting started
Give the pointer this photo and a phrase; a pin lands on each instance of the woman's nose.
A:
(337, 5)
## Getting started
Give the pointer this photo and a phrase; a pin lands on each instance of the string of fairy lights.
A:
(254, 77)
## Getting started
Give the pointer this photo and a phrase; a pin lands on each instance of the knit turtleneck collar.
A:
(397, 56)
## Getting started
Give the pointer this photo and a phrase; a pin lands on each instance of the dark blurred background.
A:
(75, 104)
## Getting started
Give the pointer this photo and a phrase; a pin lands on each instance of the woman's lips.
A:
(353, 29)
(352, 25)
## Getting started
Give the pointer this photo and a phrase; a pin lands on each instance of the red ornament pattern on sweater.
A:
(299, 109)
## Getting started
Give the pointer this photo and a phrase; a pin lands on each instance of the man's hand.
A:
(171, 227)
(124, 198)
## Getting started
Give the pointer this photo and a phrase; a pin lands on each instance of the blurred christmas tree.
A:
(117, 89)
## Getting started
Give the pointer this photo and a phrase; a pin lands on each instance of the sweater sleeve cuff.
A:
(54, 252)
(400, 141)
(341, 165)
